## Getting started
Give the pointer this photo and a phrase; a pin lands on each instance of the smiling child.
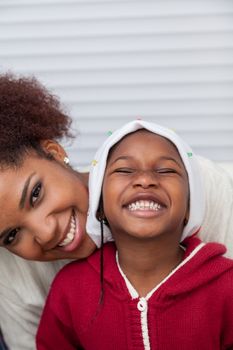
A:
(160, 286)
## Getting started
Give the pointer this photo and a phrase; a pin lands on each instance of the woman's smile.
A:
(69, 236)
(74, 235)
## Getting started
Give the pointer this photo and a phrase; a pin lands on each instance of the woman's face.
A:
(43, 210)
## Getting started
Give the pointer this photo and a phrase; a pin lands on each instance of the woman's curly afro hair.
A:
(29, 113)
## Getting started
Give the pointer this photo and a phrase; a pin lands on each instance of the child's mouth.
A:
(144, 205)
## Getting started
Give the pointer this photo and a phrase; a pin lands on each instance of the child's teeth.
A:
(144, 205)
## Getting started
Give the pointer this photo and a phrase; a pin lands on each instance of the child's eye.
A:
(165, 170)
(10, 237)
(124, 170)
(35, 194)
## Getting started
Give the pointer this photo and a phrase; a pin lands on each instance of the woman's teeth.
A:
(144, 205)
(70, 235)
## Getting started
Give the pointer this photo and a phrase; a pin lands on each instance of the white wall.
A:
(169, 61)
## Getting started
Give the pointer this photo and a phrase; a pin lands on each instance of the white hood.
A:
(97, 171)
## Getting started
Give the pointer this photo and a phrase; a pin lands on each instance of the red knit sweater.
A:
(191, 310)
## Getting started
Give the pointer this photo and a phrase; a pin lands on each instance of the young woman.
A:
(160, 286)
(44, 204)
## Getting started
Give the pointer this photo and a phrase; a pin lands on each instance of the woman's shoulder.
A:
(218, 188)
(215, 169)
(20, 277)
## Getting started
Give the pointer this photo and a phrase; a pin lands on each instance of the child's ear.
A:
(186, 219)
(54, 148)
(100, 213)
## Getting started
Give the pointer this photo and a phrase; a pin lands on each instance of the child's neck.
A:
(147, 263)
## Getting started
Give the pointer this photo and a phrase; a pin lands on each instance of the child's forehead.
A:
(143, 137)
(141, 133)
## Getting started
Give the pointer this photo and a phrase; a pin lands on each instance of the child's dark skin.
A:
(145, 196)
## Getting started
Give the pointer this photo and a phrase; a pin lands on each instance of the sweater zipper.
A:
(142, 306)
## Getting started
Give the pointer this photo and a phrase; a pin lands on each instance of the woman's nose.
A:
(146, 178)
(44, 231)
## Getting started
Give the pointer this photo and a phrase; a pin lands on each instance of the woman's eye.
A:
(10, 237)
(35, 194)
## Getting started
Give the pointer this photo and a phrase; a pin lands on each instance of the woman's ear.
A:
(55, 149)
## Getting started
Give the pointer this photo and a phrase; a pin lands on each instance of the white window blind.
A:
(113, 61)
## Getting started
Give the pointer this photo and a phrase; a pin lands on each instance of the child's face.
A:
(145, 188)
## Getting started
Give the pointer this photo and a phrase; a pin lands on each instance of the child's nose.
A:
(146, 178)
